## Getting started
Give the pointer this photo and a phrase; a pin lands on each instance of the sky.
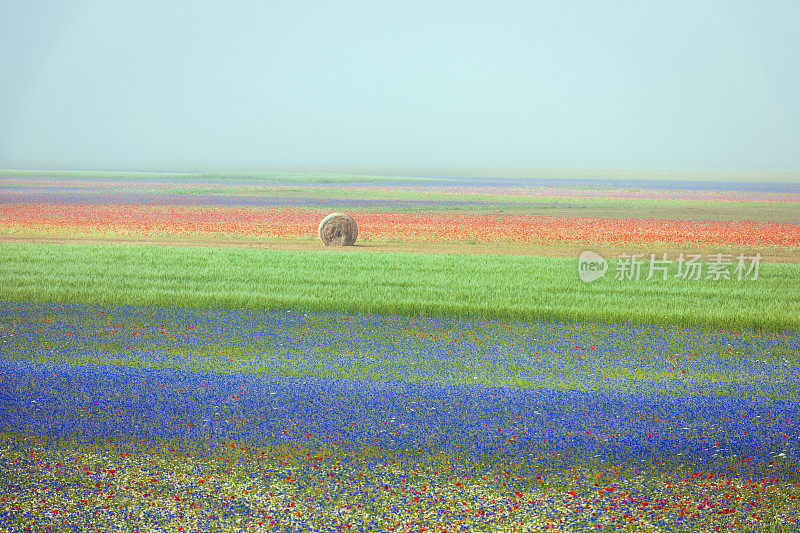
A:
(195, 85)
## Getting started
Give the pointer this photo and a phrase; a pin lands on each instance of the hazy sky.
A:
(189, 85)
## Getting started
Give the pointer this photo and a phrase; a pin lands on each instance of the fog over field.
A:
(587, 85)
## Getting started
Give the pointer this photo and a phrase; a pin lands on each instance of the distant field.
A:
(279, 176)
(759, 207)
(355, 174)
(523, 287)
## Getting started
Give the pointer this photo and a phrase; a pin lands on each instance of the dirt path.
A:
(781, 255)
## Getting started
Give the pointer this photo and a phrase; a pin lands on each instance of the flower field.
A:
(181, 416)
(196, 388)
(396, 226)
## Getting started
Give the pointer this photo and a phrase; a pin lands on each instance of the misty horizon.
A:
(689, 87)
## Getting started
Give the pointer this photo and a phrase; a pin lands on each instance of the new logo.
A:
(591, 266)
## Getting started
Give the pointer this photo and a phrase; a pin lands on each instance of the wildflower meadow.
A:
(180, 353)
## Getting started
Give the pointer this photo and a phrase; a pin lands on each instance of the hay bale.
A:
(338, 229)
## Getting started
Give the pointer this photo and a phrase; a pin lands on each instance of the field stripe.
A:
(524, 287)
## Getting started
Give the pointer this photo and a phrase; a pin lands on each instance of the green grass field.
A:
(395, 283)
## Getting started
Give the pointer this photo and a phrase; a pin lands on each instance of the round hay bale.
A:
(338, 229)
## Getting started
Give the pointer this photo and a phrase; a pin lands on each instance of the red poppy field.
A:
(282, 223)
